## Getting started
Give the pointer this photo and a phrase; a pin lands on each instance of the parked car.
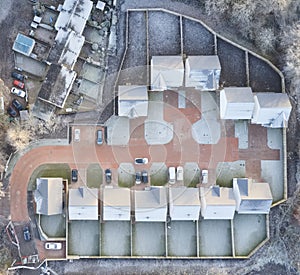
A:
(145, 177)
(26, 233)
(179, 172)
(19, 84)
(172, 175)
(99, 137)
(11, 111)
(18, 76)
(53, 246)
(74, 175)
(141, 161)
(17, 105)
(204, 176)
(18, 92)
(138, 177)
(77, 135)
(108, 176)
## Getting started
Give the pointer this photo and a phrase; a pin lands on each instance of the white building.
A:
(203, 72)
(49, 196)
(151, 205)
(116, 204)
(132, 101)
(236, 103)
(217, 203)
(167, 72)
(184, 203)
(271, 110)
(83, 204)
(252, 197)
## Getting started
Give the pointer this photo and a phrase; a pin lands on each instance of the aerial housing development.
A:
(188, 160)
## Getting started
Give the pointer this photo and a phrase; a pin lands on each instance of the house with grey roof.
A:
(83, 204)
(202, 72)
(271, 110)
(184, 203)
(23, 44)
(167, 72)
(252, 197)
(48, 196)
(116, 204)
(236, 103)
(217, 203)
(132, 101)
(150, 204)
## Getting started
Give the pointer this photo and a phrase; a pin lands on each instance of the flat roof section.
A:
(23, 44)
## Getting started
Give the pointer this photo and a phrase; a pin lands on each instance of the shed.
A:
(252, 197)
(167, 72)
(83, 204)
(133, 101)
(271, 110)
(151, 205)
(203, 72)
(23, 44)
(236, 103)
(57, 85)
(49, 196)
(116, 204)
(217, 203)
(184, 203)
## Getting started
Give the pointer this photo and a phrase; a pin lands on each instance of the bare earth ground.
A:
(279, 256)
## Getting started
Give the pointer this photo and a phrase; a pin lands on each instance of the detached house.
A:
(167, 72)
(252, 197)
(203, 72)
(151, 205)
(217, 203)
(184, 203)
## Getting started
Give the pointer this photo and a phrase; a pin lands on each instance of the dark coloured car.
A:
(26, 233)
(19, 84)
(140, 160)
(17, 105)
(138, 177)
(11, 111)
(144, 177)
(18, 76)
(108, 176)
(74, 175)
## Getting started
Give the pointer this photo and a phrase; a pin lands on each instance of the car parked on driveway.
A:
(179, 172)
(204, 176)
(53, 246)
(99, 137)
(11, 111)
(17, 105)
(140, 160)
(77, 135)
(18, 92)
(19, 84)
(26, 233)
(145, 177)
(18, 76)
(138, 177)
(74, 175)
(108, 176)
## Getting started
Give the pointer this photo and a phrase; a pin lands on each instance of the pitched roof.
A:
(48, 196)
(203, 62)
(273, 100)
(116, 197)
(239, 95)
(154, 198)
(183, 196)
(83, 204)
(216, 195)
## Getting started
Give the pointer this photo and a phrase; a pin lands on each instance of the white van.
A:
(179, 172)
(171, 175)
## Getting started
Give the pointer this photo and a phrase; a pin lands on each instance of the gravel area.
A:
(262, 77)
(233, 64)
(197, 40)
(164, 34)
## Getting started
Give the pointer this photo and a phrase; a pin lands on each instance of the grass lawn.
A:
(61, 170)
(94, 175)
